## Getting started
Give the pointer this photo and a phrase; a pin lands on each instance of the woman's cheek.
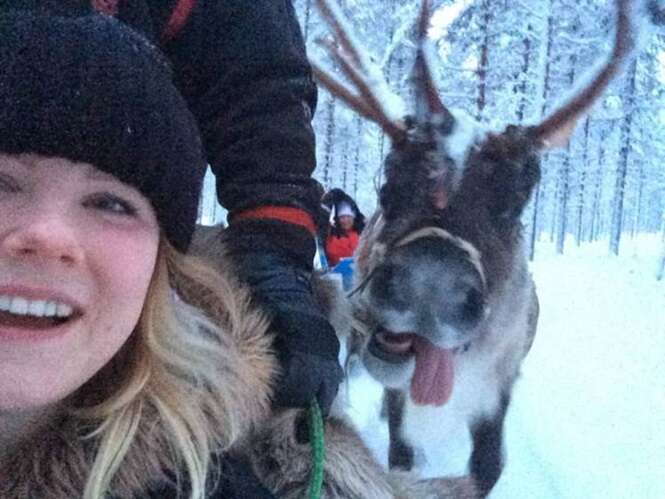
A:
(124, 257)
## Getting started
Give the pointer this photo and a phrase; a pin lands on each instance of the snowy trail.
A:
(591, 401)
(588, 414)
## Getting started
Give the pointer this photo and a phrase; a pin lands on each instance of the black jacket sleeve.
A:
(242, 67)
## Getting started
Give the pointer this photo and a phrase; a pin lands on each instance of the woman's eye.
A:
(111, 203)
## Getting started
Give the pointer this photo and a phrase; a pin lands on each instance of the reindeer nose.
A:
(434, 281)
(462, 301)
(389, 286)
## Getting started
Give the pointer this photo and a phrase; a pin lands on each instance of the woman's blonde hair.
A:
(179, 387)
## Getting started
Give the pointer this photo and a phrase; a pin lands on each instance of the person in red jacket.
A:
(342, 240)
(347, 224)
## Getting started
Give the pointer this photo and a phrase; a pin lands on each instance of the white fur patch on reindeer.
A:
(457, 145)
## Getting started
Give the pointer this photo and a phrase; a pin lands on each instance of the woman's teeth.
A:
(37, 308)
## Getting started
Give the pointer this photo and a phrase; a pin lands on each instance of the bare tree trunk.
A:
(565, 177)
(526, 62)
(563, 204)
(636, 227)
(308, 11)
(598, 191)
(544, 63)
(555, 213)
(481, 99)
(579, 222)
(582, 189)
(388, 76)
(534, 224)
(548, 59)
(382, 143)
(565, 170)
(595, 208)
(329, 140)
(356, 156)
(521, 109)
(345, 162)
(622, 167)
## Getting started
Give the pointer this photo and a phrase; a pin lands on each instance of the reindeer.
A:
(276, 450)
(445, 305)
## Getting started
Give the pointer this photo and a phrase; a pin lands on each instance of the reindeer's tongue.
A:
(432, 381)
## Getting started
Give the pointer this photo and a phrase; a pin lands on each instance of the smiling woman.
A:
(78, 254)
(112, 383)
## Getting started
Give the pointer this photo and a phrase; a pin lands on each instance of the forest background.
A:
(512, 61)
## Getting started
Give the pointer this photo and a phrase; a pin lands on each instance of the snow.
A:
(211, 212)
(587, 418)
(444, 16)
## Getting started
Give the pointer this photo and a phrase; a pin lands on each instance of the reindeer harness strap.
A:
(318, 450)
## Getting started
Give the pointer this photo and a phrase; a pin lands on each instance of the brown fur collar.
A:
(57, 463)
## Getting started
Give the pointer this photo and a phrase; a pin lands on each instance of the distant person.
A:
(345, 228)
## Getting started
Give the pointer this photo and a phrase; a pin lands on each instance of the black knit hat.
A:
(91, 90)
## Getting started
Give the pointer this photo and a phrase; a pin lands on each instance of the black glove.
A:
(275, 259)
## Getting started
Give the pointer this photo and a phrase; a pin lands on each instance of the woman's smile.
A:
(33, 315)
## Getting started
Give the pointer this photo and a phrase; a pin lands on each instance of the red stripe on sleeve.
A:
(177, 20)
(108, 7)
(283, 213)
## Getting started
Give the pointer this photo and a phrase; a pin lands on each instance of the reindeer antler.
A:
(367, 78)
(428, 180)
(429, 106)
(556, 129)
(369, 81)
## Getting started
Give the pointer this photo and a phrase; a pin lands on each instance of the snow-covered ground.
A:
(587, 418)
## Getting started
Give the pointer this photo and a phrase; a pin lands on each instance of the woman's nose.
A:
(44, 233)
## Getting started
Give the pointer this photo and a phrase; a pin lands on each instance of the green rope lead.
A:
(318, 450)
